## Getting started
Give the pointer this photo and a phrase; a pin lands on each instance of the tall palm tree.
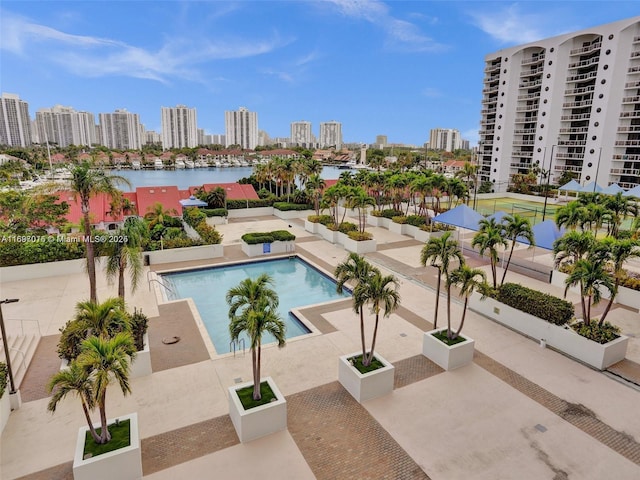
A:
(315, 186)
(590, 275)
(253, 309)
(469, 174)
(75, 381)
(620, 207)
(489, 237)
(572, 215)
(620, 251)
(359, 199)
(124, 252)
(381, 293)
(572, 246)
(85, 183)
(156, 214)
(103, 319)
(468, 280)
(107, 359)
(357, 270)
(440, 252)
(516, 226)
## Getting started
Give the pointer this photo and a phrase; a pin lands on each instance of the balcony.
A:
(492, 68)
(570, 156)
(530, 84)
(588, 49)
(488, 111)
(635, 69)
(528, 108)
(580, 90)
(519, 153)
(568, 168)
(583, 103)
(533, 59)
(490, 90)
(574, 130)
(572, 143)
(524, 131)
(632, 85)
(582, 76)
(529, 96)
(629, 129)
(529, 73)
(625, 171)
(627, 143)
(584, 63)
(577, 116)
(634, 55)
(526, 119)
(521, 165)
(634, 114)
(520, 143)
(486, 101)
(634, 99)
(627, 158)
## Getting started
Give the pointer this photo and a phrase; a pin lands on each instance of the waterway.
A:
(186, 178)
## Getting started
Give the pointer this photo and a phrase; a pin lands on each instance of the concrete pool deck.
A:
(519, 411)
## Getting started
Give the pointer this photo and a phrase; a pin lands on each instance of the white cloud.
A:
(510, 25)
(401, 33)
(95, 57)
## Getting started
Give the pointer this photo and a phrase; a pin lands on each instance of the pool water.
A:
(296, 282)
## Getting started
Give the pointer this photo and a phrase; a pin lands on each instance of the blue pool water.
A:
(296, 282)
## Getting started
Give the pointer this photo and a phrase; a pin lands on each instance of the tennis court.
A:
(534, 211)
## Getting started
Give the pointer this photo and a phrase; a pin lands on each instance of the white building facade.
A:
(121, 130)
(330, 135)
(447, 139)
(241, 128)
(179, 127)
(301, 134)
(15, 123)
(65, 126)
(570, 103)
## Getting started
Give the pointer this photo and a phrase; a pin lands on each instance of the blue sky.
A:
(397, 68)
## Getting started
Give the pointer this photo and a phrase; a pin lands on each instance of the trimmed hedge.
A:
(601, 334)
(254, 238)
(216, 212)
(238, 204)
(360, 236)
(390, 213)
(3, 377)
(547, 307)
(416, 220)
(346, 227)
(401, 219)
(286, 206)
(321, 219)
(19, 253)
(197, 219)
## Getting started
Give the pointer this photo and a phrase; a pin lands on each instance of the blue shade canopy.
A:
(591, 187)
(545, 234)
(572, 186)
(612, 189)
(461, 216)
(498, 216)
(192, 202)
(634, 192)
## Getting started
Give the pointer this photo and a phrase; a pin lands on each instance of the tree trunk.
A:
(121, 269)
(448, 310)
(364, 348)
(504, 274)
(464, 314)
(105, 436)
(435, 314)
(611, 298)
(373, 341)
(91, 264)
(92, 430)
(256, 379)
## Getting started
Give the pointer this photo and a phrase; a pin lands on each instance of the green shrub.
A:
(192, 216)
(215, 212)
(3, 378)
(237, 204)
(73, 333)
(360, 236)
(255, 238)
(401, 219)
(416, 220)
(180, 242)
(139, 324)
(547, 307)
(209, 235)
(314, 218)
(283, 235)
(23, 253)
(325, 220)
(286, 206)
(346, 227)
(601, 334)
(390, 213)
(376, 213)
(437, 227)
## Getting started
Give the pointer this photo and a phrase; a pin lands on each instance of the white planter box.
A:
(311, 227)
(16, 273)
(5, 408)
(123, 464)
(364, 246)
(566, 340)
(328, 235)
(289, 214)
(626, 296)
(250, 212)
(213, 221)
(259, 421)
(268, 248)
(141, 365)
(365, 386)
(410, 230)
(447, 357)
(399, 228)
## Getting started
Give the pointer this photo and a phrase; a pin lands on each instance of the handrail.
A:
(24, 358)
(234, 343)
(160, 283)
(21, 320)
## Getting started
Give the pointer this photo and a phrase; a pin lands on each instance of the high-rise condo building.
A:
(381, 141)
(447, 139)
(569, 103)
(15, 124)
(330, 135)
(241, 128)
(301, 134)
(179, 127)
(65, 126)
(121, 130)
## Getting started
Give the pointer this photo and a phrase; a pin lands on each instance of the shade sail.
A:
(591, 187)
(545, 234)
(192, 202)
(572, 186)
(612, 189)
(498, 216)
(634, 192)
(461, 216)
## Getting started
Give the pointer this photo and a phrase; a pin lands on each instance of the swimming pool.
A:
(296, 282)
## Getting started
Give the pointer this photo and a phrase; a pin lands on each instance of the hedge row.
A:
(254, 238)
(19, 253)
(216, 212)
(238, 204)
(197, 219)
(552, 309)
(286, 206)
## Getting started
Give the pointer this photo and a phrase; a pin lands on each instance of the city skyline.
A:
(409, 67)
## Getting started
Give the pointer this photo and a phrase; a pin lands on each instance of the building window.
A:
(611, 37)
(594, 138)
(605, 67)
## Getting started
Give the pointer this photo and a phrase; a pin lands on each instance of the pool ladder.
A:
(162, 284)
(236, 344)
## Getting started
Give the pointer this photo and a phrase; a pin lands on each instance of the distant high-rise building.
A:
(15, 123)
(218, 139)
(179, 127)
(301, 134)
(121, 130)
(152, 138)
(241, 128)
(566, 104)
(447, 139)
(330, 135)
(381, 141)
(65, 126)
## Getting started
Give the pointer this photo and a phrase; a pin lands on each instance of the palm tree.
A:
(359, 199)
(381, 292)
(73, 380)
(156, 214)
(107, 359)
(620, 251)
(516, 226)
(572, 215)
(125, 252)
(253, 309)
(469, 174)
(489, 237)
(590, 275)
(355, 269)
(619, 207)
(103, 319)
(572, 246)
(440, 252)
(315, 185)
(468, 280)
(85, 183)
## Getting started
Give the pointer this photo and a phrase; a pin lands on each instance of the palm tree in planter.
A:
(489, 237)
(620, 251)
(440, 252)
(253, 309)
(468, 280)
(591, 276)
(515, 227)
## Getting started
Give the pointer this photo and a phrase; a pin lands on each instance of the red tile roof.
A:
(235, 191)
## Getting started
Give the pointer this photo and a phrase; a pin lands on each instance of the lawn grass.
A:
(357, 363)
(442, 336)
(246, 396)
(120, 438)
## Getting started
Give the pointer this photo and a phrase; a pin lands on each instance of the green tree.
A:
(490, 236)
(468, 280)
(619, 252)
(590, 275)
(315, 186)
(439, 252)
(157, 214)
(253, 309)
(515, 227)
(360, 200)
